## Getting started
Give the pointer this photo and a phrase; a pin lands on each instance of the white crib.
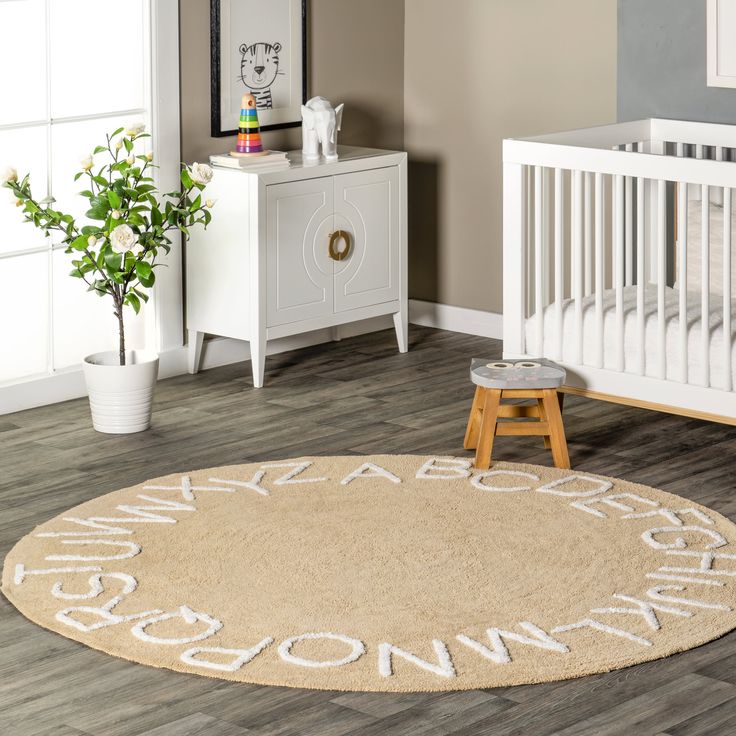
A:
(605, 231)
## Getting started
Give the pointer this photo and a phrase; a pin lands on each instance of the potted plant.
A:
(116, 251)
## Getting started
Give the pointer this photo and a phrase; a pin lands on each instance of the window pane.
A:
(22, 86)
(84, 323)
(25, 150)
(97, 56)
(70, 142)
(23, 315)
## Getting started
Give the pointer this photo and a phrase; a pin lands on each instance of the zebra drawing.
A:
(259, 66)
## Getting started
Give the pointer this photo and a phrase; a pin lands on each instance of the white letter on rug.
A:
(187, 489)
(445, 667)
(610, 501)
(477, 480)
(598, 626)
(500, 653)
(357, 651)
(253, 484)
(188, 616)
(144, 514)
(370, 470)
(601, 486)
(290, 477)
(644, 609)
(457, 468)
(680, 543)
(133, 550)
(656, 594)
(706, 562)
(21, 571)
(95, 586)
(242, 656)
(672, 516)
(103, 529)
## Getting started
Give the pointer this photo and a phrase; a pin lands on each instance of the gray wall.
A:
(661, 63)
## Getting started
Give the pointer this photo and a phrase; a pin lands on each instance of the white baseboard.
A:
(456, 319)
(219, 351)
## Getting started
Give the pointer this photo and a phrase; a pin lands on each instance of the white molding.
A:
(165, 310)
(456, 319)
(65, 385)
(716, 37)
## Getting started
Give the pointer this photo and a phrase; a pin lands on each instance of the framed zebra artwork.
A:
(258, 46)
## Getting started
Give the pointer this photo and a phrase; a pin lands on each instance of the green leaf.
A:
(113, 260)
(79, 243)
(101, 181)
(145, 274)
(186, 180)
(78, 175)
(132, 299)
(156, 217)
(114, 199)
(97, 213)
(99, 149)
(128, 144)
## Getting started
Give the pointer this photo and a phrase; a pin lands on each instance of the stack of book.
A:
(271, 161)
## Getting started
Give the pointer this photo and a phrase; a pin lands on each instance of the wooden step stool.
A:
(516, 379)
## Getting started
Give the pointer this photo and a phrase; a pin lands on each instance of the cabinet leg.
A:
(258, 359)
(401, 325)
(194, 350)
(335, 333)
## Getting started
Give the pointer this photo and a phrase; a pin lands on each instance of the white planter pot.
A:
(120, 396)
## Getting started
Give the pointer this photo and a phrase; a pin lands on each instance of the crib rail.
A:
(601, 265)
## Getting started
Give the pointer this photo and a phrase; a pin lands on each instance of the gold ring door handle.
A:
(335, 253)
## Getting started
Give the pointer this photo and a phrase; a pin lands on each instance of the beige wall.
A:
(356, 54)
(478, 71)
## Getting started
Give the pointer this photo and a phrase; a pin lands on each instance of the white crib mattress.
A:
(631, 335)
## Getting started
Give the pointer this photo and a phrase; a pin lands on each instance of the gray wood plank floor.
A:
(356, 396)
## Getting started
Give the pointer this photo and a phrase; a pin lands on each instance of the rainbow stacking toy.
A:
(249, 135)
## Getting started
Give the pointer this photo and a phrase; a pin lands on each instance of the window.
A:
(59, 95)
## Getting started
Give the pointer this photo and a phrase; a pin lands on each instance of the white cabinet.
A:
(300, 249)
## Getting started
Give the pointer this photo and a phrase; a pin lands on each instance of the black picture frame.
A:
(216, 72)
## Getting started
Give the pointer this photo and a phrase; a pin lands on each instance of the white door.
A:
(300, 271)
(367, 207)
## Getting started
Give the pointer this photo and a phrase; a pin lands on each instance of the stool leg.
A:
(543, 418)
(483, 454)
(474, 420)
(556, 429)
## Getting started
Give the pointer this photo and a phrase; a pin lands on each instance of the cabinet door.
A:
(367, 206)
(299, 219)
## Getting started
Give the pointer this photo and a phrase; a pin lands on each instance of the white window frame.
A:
(718, 35)
(164, 325)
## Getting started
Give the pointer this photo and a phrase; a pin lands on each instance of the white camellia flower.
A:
(10, 174)
(123, 239)
(210, 203)
(115, 214)
(201, 173)
(130, 160)
(134, 129)
(86, 162)
(91, 241)
(118, 145)
(149, 156)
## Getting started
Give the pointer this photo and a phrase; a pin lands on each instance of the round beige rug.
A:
(384, 573)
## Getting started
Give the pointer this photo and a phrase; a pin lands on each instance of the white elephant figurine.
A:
(320, 123)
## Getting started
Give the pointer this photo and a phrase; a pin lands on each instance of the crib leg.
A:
(556, 428)
(491, 402)
(474, 420)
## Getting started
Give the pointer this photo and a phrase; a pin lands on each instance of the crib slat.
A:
(661, 276)
(588, 237)
(705, 281)
(629, 219)
(577, 260)
(727, 297)
(538, 260)
(682, 204)
(641, 274)
(559, 258)
(619, 254)
(599, 275)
